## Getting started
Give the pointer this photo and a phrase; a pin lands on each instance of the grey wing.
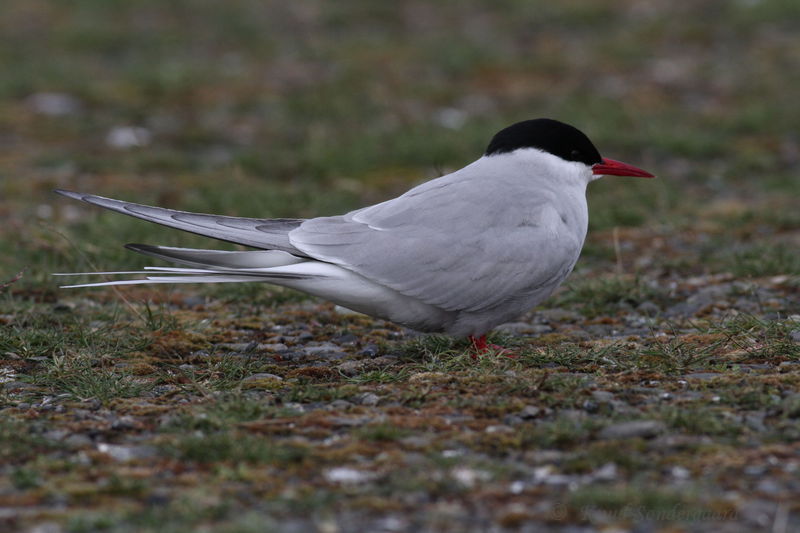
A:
(262, 233)
(458, 245)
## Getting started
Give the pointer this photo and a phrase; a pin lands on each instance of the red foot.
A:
(480, 347)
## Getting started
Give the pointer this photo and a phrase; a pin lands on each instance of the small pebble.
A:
(272, 347)
(516, 487)
(261, 376)
(340, 404)
(64, 307)
(53, 104)
(123, 423)
(350, 368)
(769, 486)
(15, 386)
(124, 137)
(530, 411)
(370, 350)
(607, 472)
(679, 472)
(368, 399)
(55, 434)
(602, 396)
(648, 308)
(347, 476)
(469, 477)
(347, 338)
(324, 351)
(125, 453)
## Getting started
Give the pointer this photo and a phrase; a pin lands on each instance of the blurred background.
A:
(267, 108)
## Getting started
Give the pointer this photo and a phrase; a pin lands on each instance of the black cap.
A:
(562, 140)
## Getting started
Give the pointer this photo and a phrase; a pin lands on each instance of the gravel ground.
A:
(676, 411)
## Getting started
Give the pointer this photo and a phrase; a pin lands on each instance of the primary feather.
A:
(256, 232)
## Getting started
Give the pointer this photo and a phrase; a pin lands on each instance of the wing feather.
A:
(464, 242)
(256, 232)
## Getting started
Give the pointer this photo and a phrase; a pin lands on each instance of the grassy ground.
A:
(659, 390)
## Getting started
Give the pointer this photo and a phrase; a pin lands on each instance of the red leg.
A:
(480, 347)
(479, 343)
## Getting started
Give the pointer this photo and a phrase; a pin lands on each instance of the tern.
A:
(459, 254)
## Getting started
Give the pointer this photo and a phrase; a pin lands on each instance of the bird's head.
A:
(563, 141)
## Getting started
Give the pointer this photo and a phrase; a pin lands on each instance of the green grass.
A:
(41, 330)
(627, 455)
(766, 260)
(222, 413)
(25, 478)
(20, 441)
(220, 372)
(639, 503)
(677, 356)
(229, 447)
(379, 376)
(382, 433)
(758, 339)
(557, 434)
(181, 516)
(702, 421)
(316, 392)
(83, 381)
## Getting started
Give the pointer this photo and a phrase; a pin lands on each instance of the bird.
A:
(458, 255)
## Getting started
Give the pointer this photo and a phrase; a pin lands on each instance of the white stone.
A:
(124, 137)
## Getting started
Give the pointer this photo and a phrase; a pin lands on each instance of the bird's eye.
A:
(575, 153)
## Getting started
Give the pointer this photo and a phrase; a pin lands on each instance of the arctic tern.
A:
(459, 254)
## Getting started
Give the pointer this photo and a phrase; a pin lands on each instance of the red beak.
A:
(609, 167)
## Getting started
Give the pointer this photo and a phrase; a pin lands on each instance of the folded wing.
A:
(265, 233)
(457, 243)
